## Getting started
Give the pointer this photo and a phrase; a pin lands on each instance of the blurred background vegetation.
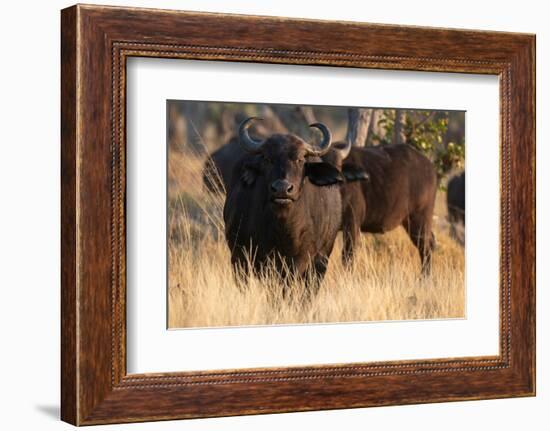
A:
(203, 127)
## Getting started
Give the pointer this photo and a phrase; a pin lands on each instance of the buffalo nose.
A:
(281, 187)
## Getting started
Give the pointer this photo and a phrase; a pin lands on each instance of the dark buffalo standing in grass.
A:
(385, 187)
(282, 206)
(456, 205)
(456, 198)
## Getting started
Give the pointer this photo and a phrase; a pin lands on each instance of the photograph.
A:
(297, 214)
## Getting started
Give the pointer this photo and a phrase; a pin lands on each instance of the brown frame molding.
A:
(95, 43)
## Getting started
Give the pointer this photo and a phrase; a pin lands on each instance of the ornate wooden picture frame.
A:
(95, 43)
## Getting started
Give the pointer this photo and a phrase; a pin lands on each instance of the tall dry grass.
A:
(383, 283)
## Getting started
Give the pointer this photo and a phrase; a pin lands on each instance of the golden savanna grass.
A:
(383, 284)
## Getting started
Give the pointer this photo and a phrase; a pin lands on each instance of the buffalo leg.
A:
(314, 279)
(453, 233)
(420, 232)
(321, 265)
(350, 234)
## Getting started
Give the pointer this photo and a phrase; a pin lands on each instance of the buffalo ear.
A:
(323, 174)
(355, 173)
(249, 172)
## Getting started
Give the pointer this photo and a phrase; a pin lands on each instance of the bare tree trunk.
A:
(195, 115)
(177, 128)
(294, 119)
(399, 127)
(358, 126)
(275, 123)
(375, 129)
(308, 114)
(227, 125)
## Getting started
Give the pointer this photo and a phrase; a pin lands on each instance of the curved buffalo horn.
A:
(344, 151)
(324, 146)
(247, 143)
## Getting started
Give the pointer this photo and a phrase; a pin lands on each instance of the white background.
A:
(151, 348)
(29, 216)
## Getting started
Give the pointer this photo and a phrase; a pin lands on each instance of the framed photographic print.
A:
(265, 215)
